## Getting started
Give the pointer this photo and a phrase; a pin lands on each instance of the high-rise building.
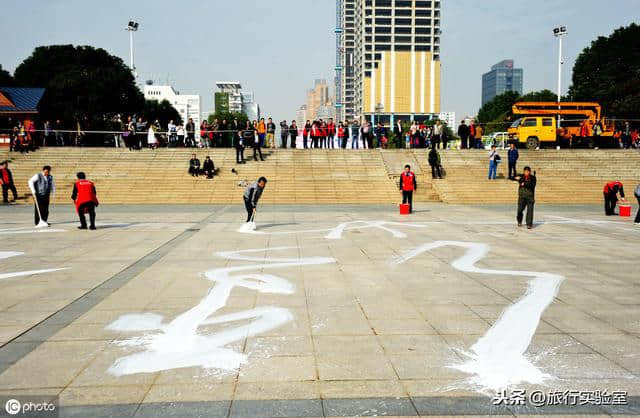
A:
(317, 97)
(345, 44)
(187, 105)
(231, 98)
(502, 78)
(395, 58)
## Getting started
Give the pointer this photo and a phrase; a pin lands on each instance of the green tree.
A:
(82, 83)
(162, 111)
(6, 80)
(497, 114)
(608, 71)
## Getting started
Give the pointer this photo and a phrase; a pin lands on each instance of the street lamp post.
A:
(559, 32)
(132, 27)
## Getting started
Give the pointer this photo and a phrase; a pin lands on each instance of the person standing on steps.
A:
(252, 195)
(271, 134)
(435, 163)
(611, 192)
(284, 134)
(42, 186)
(238, 143)
(86, 201)
(249, 137)
(494, 159)
(293, 133)
(463, 133)
(512, 156)
(526, 196)
(305, 134)
(407, 186)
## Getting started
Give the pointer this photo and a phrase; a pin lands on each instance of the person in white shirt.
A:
(42, 186)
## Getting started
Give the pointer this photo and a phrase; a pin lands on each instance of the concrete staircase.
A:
(325, 176)
(564, 176)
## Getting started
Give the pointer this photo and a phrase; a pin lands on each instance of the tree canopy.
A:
(6, 80)
(608, 72)
(497, 113)
(162, 111)
(82, 82)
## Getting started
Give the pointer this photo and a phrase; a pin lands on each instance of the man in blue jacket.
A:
(512, 156)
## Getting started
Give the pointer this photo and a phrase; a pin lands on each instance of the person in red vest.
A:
(611, 192)
(6, 180)
(84, 196)
(408, 185)
(331, 133)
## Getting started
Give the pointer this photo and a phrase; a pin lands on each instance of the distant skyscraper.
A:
(389, 58)
(317, 97)
(502, 78)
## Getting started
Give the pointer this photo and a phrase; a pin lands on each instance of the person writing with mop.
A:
(42, 186)
(252, 195)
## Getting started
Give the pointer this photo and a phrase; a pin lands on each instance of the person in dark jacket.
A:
(6, 179)
(381, 132)
(435, 163)
(252, 195)
(208, 168)
(85, 198)
(408, 185)
(512, 156)
(293, 133)
(249, 137)
(194, 166)
(637, 194)
(463, 133)
(398, 134)
(526, 196)
(611, 192)
(284, 134)
(191, 133)
(238, 144)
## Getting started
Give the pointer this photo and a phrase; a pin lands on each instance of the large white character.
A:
(497, 359)
(178, 343)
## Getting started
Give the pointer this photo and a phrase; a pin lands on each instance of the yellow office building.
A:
(396, 59)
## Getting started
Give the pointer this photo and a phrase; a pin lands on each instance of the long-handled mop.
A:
(42, 223)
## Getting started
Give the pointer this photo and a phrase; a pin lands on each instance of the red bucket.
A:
(404, 209)
(625, 210)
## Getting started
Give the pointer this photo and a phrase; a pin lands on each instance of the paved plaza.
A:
(322, 311)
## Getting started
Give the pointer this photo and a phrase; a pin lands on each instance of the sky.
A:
(278, 48)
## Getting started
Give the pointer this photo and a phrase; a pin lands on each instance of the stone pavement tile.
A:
(453, 325)
(401, 326)
(550, 344)
(419, 366)
(194, 392)
(103, 395)
(51, 364)
(448, 310)
(85, 332)
(184, 410)
(277, 390)
(277, 408)
(631, 362)
(445, 387)
(96, 372)
(458, 406)
(338, 321)
(8, 333)
(620, 344)
(488, 311)
(369, 407)
(53, 392)
(299, 326)
(581, 325)
(585, 366)
(99, 411)
(297, 300)
(279, 346)
(428, 345)
(362, 389)
(278, 369)
(361, 367)
(195, 375)
(347, 345)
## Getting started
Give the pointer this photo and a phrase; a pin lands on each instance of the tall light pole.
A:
(559, 32)
(132, 27)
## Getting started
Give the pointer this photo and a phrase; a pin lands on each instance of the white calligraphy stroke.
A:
(178, 343)
(8, 254)
(497, 359)
(337, 232)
